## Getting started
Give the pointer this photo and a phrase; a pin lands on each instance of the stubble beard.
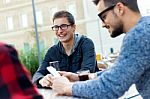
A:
(117, 31)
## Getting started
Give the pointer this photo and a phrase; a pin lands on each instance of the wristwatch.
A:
(87, 76)
(83, 77)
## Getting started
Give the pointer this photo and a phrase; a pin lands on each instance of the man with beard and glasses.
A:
(132, 66)
(74, 53)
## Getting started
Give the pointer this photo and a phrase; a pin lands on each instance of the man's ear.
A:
(120, 8)
(74, 26)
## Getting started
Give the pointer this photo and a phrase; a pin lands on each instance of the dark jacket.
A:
(82, 57)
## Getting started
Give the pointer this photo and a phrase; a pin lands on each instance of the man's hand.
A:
(71, 76)
(46, 81)
(62, 86)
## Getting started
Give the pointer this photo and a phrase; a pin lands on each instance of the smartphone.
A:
(53, 71)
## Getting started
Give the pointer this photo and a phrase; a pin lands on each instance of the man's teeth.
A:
(61, 35)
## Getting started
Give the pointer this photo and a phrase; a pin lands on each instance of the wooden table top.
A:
(50, 94)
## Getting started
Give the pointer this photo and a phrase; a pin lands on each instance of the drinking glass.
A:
(55, 64)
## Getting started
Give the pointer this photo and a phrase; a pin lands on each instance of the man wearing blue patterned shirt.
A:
(131, 67)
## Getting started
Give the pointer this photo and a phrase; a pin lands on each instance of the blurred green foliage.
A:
(30, 58)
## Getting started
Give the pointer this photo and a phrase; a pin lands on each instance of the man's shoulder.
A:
(84, 38)
(58, 45)
(143, 23)
(141, 29)
(55, 48)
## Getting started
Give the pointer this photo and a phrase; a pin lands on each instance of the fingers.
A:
(49, 77)
(71, 76)
(58, 85)
(62, 72)
(62, 86)
(46, 81)
(65, 74)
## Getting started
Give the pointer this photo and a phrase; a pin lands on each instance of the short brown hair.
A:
(64, 14)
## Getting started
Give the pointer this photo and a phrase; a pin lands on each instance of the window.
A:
(39, 17)
(10, 25)
(72, 10)
(24, 20)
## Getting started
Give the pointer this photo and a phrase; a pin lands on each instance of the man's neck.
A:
(68, 46)
(131, 21)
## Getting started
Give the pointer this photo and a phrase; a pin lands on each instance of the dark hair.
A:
(131, 4)
(64, 14)
(96, 1)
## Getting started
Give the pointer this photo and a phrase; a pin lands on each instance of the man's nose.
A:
(103, 24)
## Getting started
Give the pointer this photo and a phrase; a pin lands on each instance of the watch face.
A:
(83, 77)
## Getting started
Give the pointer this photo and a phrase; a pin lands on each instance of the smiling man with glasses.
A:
(132, 65)
(75, 53)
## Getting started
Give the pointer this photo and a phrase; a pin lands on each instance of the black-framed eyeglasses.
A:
(62, 27)
(102, 16)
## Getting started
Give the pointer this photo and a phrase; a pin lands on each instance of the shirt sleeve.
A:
(42, 71)
(89, 56)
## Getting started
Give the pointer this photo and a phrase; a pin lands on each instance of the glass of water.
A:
(55, 64)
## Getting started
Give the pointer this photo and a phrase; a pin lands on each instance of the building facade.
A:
(17, 23)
